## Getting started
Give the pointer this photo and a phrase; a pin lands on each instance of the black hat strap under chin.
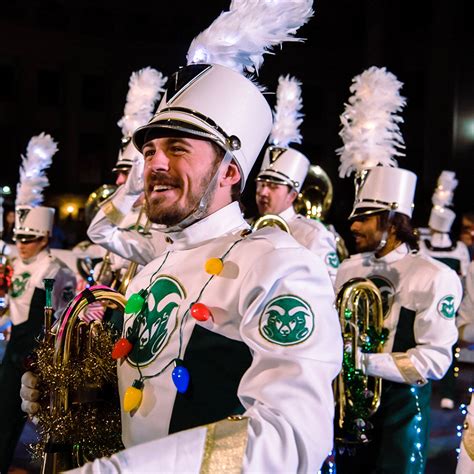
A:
(201, 209)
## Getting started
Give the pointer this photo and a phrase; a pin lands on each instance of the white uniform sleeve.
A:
(465, 258)
(323, 244)
(465, 319)
(129, 244)
(434, 334)
(287, 385)
(287, 390)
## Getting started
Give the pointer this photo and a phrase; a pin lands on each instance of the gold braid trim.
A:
(407, 369)
(112, 213)
(225, 446)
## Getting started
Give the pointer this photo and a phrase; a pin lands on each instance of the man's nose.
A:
(355, 226)
(159, 161)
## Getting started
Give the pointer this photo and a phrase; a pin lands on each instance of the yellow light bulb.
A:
(214, 266)
(133, 396)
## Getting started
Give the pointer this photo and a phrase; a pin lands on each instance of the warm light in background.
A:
(70, 209)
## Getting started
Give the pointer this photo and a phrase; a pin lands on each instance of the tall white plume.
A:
(287, 117)
(370, 130)
(145, 88)
(240, 37)
(33, 179)
(444, 191)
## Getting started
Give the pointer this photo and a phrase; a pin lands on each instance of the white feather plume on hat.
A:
(33, 179)
(370, 130)
(444, 191)
(239, 38)
(287, 117)
(145, 87)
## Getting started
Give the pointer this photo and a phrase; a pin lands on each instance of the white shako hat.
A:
(211, 98)
(31, 219)
(282, 164)
(372, 140)
(385, 188)
(144, 89)
(441, 217)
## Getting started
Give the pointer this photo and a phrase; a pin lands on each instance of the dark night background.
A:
(65, 65)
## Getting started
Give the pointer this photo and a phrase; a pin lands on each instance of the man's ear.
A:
(231, 176)
(293, 195)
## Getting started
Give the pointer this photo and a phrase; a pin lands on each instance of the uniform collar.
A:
(36, 258)
(440, 240)
(396, 254)
(288, 214)
(226, 220)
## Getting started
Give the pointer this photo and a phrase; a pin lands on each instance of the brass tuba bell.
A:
(271, 220)
(359, 305)
(79, 416)
(315, 199)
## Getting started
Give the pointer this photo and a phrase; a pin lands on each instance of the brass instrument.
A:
(271, 220)
(79, 418)
(315, 199)
(359, 305)
(95, 199)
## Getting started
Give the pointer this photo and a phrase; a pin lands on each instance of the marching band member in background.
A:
(33, 228)
(465, 323)
(438, 244)
(283, 172)
(420, 295)
(249, 317)
(145, 88)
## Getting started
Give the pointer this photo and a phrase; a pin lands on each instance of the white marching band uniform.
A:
(413, 287)
(314, 236)
(28, 278)
(465, 322)
(264, 267)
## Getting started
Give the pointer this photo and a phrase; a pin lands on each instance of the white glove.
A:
(134, 185)
(28, 393)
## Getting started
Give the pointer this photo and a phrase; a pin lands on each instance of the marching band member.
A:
(33, 228)
(283, 172)
(438, 244)
(420, 295)
(119, 226)
(465, 323)
(249, 317)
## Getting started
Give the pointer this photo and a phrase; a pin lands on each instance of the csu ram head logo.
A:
(286, 320)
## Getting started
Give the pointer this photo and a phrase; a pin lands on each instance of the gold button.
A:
(235, 417)
(465, 425)
(245, 232)
(420, 382)
(169, 240)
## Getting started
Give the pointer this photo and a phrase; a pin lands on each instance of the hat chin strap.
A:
(201, 209)
(383, 240)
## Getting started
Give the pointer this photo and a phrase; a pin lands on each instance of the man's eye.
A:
(149, 152)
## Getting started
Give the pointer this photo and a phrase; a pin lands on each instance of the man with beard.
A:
(420, 297)
(234, 340)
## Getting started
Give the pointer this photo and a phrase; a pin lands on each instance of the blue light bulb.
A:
(180, 376)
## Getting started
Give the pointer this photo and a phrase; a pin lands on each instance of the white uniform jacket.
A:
(440, 247)
(315, 237)
(111, 228)
(269, 352)
(421, 296)
(28, 279)
(465, 322)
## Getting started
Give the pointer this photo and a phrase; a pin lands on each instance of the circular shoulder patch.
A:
(286, 320)
(446, 307)
(332, 260)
